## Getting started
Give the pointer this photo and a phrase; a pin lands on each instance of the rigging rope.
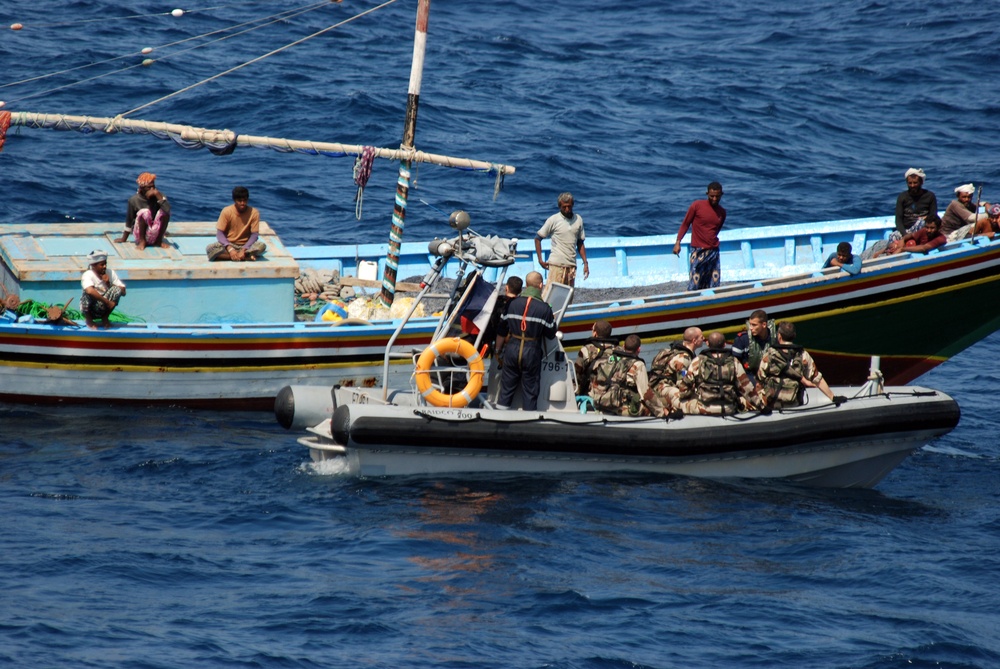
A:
(267, 21)
(259, 58)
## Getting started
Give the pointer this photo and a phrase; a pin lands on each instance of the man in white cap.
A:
(102, 289)
(914, 203)
(962, 214)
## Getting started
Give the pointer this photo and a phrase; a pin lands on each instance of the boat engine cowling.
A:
(299, 407)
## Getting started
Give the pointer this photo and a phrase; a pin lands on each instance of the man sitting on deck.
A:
(236, 231)
(147, 213)
(102, 289)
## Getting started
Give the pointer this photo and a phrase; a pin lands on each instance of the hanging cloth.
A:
(362, 170)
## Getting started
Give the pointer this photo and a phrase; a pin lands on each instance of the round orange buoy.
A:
(443, 347)
(16, 26)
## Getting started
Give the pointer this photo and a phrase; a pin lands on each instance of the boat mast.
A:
(403, 181)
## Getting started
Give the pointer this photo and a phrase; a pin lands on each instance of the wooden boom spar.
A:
(224, 141)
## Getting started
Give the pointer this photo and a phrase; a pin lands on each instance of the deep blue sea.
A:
(156, 538)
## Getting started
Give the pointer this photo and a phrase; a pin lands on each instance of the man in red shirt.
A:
(705, 218)
(923, 240)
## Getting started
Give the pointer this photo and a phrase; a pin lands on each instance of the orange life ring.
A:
(443, 347)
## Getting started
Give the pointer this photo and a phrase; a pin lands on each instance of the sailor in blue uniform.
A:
(528, 319)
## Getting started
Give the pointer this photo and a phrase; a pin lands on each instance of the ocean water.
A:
(173, 538)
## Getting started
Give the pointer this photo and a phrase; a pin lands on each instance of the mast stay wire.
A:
(258, 58)
(273, 18)
(269, 20)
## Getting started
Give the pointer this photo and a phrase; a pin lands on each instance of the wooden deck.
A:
(178, 284)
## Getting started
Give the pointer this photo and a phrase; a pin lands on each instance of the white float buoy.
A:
(177, 13)
(148, 49)
(147, 62)
(2, 103)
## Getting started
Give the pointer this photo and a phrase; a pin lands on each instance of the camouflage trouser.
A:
(669, 395)
(695, 407)
(563, 274)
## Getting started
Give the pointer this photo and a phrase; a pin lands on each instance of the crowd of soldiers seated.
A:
(763, 370)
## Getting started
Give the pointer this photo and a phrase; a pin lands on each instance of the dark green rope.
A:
(40, 312)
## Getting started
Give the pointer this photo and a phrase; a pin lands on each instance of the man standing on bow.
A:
(566, 231)
(705, 218)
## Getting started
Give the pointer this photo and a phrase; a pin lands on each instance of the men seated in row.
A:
(713, 382)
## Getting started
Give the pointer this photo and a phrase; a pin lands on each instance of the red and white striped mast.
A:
(403, 181)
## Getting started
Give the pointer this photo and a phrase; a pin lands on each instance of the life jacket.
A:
(602, 349)
(755, 351)
(716, 383)
(612, 390)
(660, 370)
(783, 375)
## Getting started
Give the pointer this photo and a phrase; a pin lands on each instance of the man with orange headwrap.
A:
(147, 214)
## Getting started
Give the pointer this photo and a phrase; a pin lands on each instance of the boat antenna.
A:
(388, 293)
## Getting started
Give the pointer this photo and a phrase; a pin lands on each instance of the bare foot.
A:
(141, 244)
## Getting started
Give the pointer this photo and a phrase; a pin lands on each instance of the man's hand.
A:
(677, 248)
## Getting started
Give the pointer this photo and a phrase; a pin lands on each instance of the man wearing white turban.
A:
(962, 214)
(102, 289)
(914, 203)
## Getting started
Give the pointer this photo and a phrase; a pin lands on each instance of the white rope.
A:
(269, 20)
(259, 58)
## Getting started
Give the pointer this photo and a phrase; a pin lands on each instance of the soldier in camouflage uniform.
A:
(620, 385)
(593, 354)
(749, 345)
(671, 364)
(786, 370)
(717, 381)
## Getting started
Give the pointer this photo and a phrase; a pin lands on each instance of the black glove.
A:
(839, 399)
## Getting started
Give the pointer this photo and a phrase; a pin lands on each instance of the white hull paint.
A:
(849, 446)
(855, 464)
